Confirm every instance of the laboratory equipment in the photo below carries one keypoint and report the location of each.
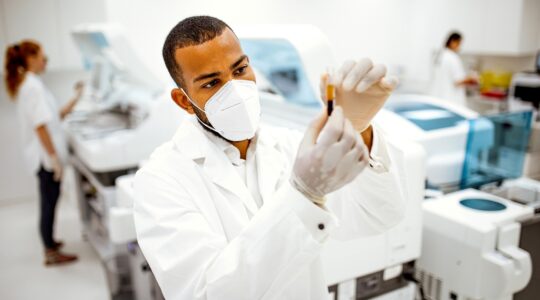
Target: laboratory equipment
(124, 114)
(124, 103)
(480, 244)
(471, 247)
(440, 127)
(538, 62)
(525, 90)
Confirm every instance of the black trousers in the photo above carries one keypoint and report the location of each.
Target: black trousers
(49, 191)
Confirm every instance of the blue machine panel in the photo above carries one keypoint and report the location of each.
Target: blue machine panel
(496, 147)
(426, 116)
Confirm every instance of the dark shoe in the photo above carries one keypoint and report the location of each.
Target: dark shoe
(58, 245)
(55, 257)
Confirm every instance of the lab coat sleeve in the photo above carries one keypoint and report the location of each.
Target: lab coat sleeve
(192, 259)
(374, 201)
(455, 68)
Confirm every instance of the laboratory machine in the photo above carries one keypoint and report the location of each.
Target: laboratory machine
(478, 239)
(481, 242)
(525, 92)
(124, 114)
(288, 61)
(440, 127)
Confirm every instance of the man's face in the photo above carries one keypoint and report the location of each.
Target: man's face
(207, 67)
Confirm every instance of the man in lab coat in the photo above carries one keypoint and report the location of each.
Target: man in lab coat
(228, 210)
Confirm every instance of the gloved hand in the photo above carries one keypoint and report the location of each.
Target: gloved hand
(330, 155)
(57, 168)
(361, 89)
(79, 89)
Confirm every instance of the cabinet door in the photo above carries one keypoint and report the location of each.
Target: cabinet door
(501, 23)
(530, 27)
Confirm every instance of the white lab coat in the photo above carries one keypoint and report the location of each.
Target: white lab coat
(448, 69)
(192, 221)
(36, 106)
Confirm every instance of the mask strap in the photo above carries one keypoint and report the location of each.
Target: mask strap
(190, 101)
(200, 121)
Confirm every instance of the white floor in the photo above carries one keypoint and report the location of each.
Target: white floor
(22, 273)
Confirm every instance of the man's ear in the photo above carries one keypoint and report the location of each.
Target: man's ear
(181, 100)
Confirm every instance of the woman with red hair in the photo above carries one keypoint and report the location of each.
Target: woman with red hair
(45, 148)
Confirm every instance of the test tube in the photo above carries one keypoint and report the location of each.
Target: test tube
(330, 94)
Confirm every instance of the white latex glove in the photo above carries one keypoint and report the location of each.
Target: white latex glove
(361, 89)
(57, 168)
(330, 155)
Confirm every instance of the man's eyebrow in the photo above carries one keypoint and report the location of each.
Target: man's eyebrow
(215, 74)
(205, 76)
(239, 61)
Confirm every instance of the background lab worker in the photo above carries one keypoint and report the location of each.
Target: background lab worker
(231, 210)
(44, 145)
(449, 77)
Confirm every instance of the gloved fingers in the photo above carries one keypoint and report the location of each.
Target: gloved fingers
(331, 158)
(333, 129)
(57, 175)
(313, 130)
(335, 152)
(360, 69)
(389, 82)
(356, 168)
(348, 167)
(339, 76)
(360, 160)
(373, 76)
(348, 138)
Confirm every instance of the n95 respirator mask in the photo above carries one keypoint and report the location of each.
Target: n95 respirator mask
(234, 111)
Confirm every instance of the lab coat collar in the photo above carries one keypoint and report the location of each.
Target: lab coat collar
(191, 140)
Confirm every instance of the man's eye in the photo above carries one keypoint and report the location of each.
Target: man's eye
(210, 84)
(240, 70)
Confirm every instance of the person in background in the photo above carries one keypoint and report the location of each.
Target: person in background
(45, 148)
(449, 78)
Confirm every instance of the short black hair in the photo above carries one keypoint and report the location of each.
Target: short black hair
(453, 36)
(189, 32)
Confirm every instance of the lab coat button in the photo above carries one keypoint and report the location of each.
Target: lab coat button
(321, 226)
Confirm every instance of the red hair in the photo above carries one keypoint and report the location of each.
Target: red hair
(16, 64)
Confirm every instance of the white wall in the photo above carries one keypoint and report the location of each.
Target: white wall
(378, 29)
(49, 22)
(402, 34)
